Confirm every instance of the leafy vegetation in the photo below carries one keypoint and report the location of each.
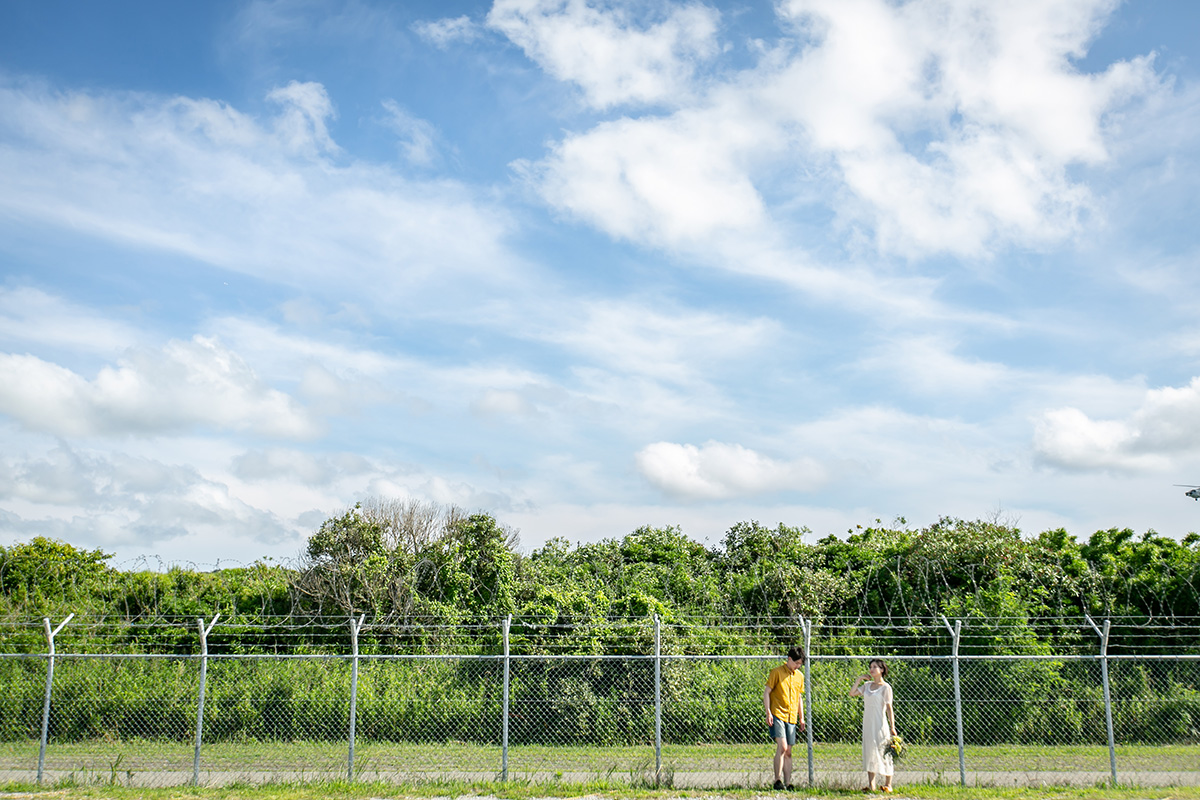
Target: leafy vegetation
(434, 580)
(408, 564)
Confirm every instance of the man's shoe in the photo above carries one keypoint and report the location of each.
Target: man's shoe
(778, 786)
(791, 787)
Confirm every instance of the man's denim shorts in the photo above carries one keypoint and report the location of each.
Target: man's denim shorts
(784, 730)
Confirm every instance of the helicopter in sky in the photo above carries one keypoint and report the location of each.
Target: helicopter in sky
(1192, 491)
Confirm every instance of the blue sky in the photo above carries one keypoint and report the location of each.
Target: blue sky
(594, 265)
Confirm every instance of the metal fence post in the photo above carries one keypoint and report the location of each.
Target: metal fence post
(956, 634)
(49, 684)
(504, 709)
(808, 715)
(1112, 749)
(204, 632)
(657, 700)
(355, 627)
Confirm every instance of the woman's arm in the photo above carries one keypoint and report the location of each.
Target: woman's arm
(856, 689)
(891, 716)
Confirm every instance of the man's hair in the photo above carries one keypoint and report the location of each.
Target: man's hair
(880, 662)
(796, 654)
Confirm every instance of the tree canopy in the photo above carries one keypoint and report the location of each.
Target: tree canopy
(411, 564)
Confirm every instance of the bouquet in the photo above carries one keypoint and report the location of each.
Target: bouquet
(896, 748)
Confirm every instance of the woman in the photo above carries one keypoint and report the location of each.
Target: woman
(879, 723)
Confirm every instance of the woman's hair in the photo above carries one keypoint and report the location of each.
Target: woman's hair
(881, 663)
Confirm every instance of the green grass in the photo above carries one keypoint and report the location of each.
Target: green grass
(932, 757)
(138, 761)
(515, 790)
(143, 754)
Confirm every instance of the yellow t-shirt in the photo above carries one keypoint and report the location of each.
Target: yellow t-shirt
(786, 687)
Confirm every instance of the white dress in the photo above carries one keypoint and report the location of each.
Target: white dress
(876, 733)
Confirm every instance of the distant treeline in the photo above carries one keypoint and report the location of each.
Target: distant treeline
(405, 564)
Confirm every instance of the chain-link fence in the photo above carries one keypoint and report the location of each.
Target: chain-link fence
(654, 717)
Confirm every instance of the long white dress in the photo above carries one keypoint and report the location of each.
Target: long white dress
(876, 733)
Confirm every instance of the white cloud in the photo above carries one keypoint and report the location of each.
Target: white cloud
(441, 33)
(612, 361)
(1066, 437)
(30, 315)
(186, 384)
(1164, 427)
(95, 498)
(716, 470)
(301, 126)
(270, 197)
(340, 378)
(935, 126)
(628, 364)
(669, 345)
(877, 449)
(333, 394)
(954, 123)
(684, 183)
(445, 491)
(217, 500)
(614, 58)
(671, 182)
(277, 464)
(502, 403)
(929, 365)
(61, 478)
(418, 138)
(289, 352)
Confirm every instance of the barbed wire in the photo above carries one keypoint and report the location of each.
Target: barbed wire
(866, 636)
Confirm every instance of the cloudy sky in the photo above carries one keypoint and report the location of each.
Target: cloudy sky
(591, 265)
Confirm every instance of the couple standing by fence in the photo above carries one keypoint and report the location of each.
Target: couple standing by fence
(785, 715)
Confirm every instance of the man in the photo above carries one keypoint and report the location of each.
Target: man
(785, 712)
